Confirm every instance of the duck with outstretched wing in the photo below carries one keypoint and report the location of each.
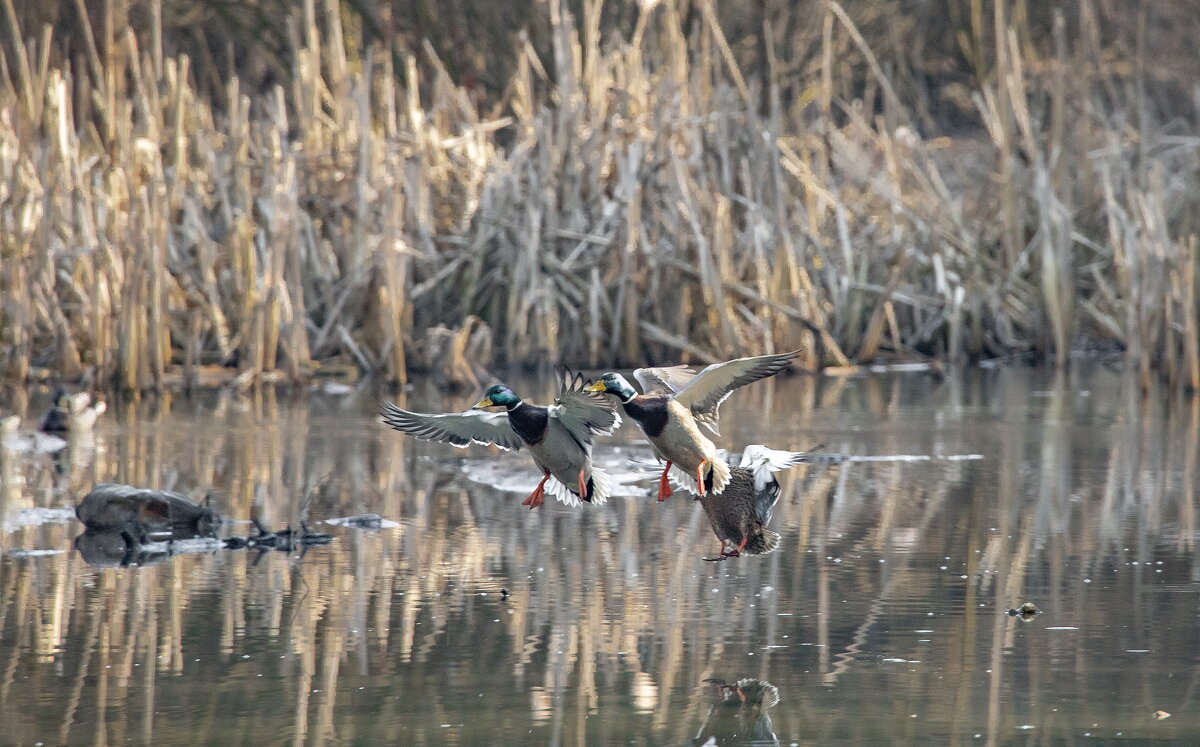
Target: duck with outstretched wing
(676, 402)
(558, 436)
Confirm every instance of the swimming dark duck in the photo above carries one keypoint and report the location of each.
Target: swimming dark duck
(57, 416)
(558, 436)
(676, 402)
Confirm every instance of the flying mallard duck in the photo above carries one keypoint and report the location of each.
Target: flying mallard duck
(559, 436)
(741, 512)
(676, 402)
(71, 413)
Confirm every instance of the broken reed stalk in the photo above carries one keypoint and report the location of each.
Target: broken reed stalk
(650, 200)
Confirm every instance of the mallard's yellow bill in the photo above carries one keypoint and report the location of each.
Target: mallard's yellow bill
(599, 387)
(485, 402)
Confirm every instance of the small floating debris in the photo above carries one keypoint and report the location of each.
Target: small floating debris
(1026, 611)
(1160, 715)
(364, 521)
(286, 539)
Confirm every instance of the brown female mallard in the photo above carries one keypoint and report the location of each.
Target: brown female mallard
(740, 513)
(676, 402)
(558, 436)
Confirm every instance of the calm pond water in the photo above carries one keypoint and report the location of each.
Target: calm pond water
(880, 619)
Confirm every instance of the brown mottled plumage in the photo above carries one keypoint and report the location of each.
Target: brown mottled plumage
(739, 515)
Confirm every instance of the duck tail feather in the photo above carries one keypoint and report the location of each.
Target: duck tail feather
(763, 542)
(562, 493)
(599, 486)
(720, 475)
(599, 490)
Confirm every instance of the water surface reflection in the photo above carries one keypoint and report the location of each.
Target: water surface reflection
(881, 617)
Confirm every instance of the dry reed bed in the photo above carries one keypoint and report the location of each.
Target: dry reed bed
(646, 201)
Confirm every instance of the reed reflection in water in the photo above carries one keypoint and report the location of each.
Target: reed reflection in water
(475, 621)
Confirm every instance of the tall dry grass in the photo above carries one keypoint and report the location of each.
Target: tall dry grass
(635, 195)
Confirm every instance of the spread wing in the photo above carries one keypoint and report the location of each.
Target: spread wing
(665, 380)
(584, 414)
(762, 461)
(456, 428)
(711, 386)
(765, 499)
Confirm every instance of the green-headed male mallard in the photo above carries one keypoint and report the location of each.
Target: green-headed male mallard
(676, 402)
(71, 413)
(559, 436)
(740, 513)
(57, 417)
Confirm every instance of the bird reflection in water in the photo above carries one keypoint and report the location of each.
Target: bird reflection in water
(739, 716)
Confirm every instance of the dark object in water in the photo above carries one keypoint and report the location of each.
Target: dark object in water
(121, 548)
(366, 521)
(739, 716)
(144, 513)
(285, 539)
(101, 548)
(1026, 612)
(135, 526)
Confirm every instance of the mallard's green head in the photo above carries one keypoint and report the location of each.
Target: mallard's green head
(498, 395)
(614, 383)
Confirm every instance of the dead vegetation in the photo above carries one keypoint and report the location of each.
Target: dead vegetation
(631, 195)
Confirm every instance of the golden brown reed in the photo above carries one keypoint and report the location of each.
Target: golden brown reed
(630, 198)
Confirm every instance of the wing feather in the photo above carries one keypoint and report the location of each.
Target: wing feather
(584, 414)
(763, 462)
(704, 395)
(664, 380)
(459, 429)
(765, 499)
